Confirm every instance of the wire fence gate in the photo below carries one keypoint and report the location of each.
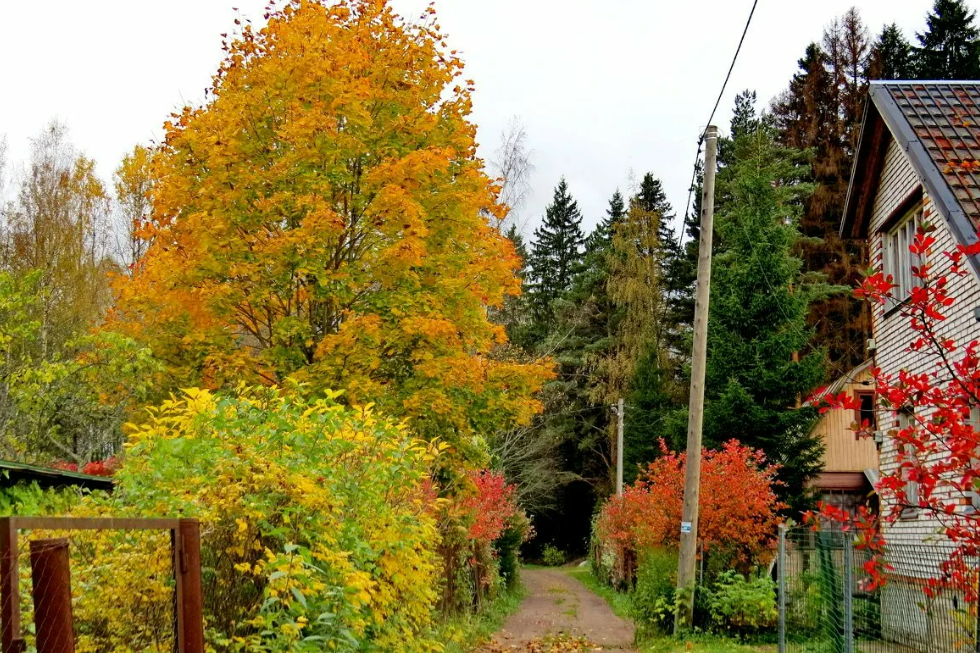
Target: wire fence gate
(79, 585)
(827, 603)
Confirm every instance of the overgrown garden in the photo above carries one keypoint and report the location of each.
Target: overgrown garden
(310, 318)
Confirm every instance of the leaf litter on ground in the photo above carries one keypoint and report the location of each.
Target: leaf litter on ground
(561, 643)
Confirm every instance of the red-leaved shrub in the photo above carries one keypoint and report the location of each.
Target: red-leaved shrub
(737, 513)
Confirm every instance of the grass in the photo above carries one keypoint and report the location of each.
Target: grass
(621, 605)
(465, 632)
(701, 644)
(619, 602)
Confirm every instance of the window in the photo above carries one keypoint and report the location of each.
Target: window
(898, 260)
(865, 411)
(906, 417)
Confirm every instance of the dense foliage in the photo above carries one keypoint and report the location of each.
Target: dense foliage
(324, 219)
(737, 511)
(760, 355)
(316, 520)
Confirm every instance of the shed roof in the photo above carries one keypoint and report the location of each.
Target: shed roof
(937, 125)
(12, 473)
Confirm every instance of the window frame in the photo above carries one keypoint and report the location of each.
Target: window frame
(859, 394)
(897, 260)
(905, 417)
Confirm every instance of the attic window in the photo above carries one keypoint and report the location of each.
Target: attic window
(898, 260)
(864, 414)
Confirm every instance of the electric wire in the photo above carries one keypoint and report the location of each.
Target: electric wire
(697, 157)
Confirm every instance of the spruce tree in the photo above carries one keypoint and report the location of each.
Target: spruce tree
(891, 56)
(576, 416)
(682, 271)
(815, 114)
(601, 236)
(515, 314)
(652, 199)
(761, 359)
(556, 253)
(950, 46)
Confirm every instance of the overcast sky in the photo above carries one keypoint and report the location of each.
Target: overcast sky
(603, 88)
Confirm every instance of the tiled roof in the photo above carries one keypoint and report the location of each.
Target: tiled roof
(937, 125)
(945, 116)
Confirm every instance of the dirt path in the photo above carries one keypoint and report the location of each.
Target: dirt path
(558, 604)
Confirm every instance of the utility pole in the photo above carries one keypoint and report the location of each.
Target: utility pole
(686, 565)
(619, 447)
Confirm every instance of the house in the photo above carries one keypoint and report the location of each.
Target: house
(850, 462)
(915, 162)
(907, 169)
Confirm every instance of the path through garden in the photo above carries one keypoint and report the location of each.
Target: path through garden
(561, 614)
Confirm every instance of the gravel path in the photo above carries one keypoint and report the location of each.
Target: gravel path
(558, 604)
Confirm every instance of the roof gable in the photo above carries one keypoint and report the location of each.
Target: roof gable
(937, 125)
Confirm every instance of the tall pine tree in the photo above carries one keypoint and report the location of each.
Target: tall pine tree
(891, 56)
(652, 199)
(760, 355)
(820, 112)
(556, 253)
(950, 46)
(601, 236)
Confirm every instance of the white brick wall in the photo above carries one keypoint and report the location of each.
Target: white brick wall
(891, 330)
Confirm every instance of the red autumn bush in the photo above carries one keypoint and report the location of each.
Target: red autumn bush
(105, 467)
(492, 508)
(936, 469)
(737, 514)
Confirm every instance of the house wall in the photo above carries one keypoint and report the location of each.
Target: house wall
(845, 451)
(891, 330)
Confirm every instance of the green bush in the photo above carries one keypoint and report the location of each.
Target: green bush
(552, 556)
(740, 604)
(654, 594)
(315, 529)
(508, 547)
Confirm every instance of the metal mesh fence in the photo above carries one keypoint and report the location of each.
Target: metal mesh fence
(92, 585)
(828, 604)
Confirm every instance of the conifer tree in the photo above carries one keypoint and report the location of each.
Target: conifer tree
(634, 287)
(652, 199)
(682, 270)
(601, 236)
(760, 356)
(515, 314)
(950, 46)
(556, 253)
(847, 44)
(817, 113)
(891, 55)
(576, 417)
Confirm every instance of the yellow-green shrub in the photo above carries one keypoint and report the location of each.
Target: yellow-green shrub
(316, 533)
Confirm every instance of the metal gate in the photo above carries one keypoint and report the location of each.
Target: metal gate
(828, 605)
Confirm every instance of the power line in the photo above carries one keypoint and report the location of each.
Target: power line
(697, 157)
(730, 69)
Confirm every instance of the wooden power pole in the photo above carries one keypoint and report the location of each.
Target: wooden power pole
(619, 447)
(686, 565)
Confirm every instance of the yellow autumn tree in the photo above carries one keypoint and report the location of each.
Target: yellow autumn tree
(133, 182)
(323, 219)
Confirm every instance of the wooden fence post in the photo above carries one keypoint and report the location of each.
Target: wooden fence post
(51, 590)
(190, 599)
(9, 589)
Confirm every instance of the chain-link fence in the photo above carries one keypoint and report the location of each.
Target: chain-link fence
(827, 603)
(91, 585)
